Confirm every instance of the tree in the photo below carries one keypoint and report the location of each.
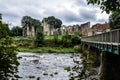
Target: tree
(114, 21)
(53, 21)
(107, 5)
(30, 22)
(4, 30)
(16, 31)
(8, 59)
(39, 38)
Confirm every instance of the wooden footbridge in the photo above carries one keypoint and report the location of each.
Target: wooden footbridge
(108, 41)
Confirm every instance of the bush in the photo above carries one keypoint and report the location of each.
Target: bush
(39, 40)
(75, 40)
(8, 59)
(66, 40)
(77, 48)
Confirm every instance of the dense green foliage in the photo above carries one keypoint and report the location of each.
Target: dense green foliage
(16, 31)
(107, 5)
(39, 40)
(56, 39)
(53, 21)
(8, 59)
(114, 20)
(4, 30)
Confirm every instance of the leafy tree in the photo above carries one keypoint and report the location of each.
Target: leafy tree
(107, 5)
(26, 21)
(30, 22)
(8, 59)
(7, 29)
(53, 21)
(114, 20)
(56, 38)
(4, 30)
(16, 31)
(39, 37)
(36, 23)
(66, 40)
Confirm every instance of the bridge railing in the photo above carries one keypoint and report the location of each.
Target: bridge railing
(111, 37)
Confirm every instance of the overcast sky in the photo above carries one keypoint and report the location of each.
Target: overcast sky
(69, 11)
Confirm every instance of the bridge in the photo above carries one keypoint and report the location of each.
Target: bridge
(108, 44)
(108, 41)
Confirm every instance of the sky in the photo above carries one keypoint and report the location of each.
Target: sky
(69, 11)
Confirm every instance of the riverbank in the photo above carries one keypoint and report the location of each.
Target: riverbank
(46, 49)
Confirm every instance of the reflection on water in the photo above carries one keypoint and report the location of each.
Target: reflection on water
(45, 66)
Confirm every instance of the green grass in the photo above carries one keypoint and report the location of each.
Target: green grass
(23, 38)
(24, 45)
(46, 50)
(52, 37)
(31, 38)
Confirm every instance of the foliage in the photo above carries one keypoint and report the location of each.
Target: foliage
(83, 68)
(114, 20)
(39, 37)
(77, 48)
(56, 38)
(53, 21)
(16, 31)
(75, 40)
(107, 5)
(66, 40)
(112, 6)
(8, 59)
(28, 21)
(52, 37)
(4, 30)
(46, 49)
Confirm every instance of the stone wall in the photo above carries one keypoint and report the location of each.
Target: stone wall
(83, 29)
(27, 31)
(48, 29)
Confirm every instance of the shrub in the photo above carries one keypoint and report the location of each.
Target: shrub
(77, 48)
(8, 59)
(75, 40)
(66, 40)
(39, 40)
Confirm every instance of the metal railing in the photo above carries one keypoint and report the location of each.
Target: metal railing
(111, 37)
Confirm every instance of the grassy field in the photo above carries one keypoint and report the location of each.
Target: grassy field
(26, 44)
(31, 38)
(46, 50)
(52, 37)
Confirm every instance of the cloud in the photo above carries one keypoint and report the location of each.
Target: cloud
(69, 11)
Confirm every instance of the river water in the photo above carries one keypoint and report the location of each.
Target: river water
(47, 66)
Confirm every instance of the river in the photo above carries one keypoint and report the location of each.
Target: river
(46, 66)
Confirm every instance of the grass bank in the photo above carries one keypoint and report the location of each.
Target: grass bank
(46, 49)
